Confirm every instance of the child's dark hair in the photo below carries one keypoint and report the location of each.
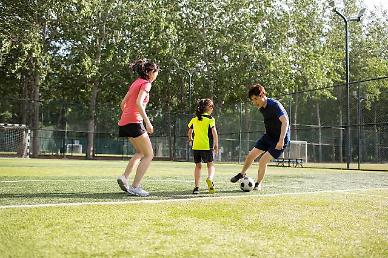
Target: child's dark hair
(201, 107)
(256, 90)
(143, 66)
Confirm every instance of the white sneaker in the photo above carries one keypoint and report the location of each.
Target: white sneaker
(123, 183)
(258, 187)
(138, 191)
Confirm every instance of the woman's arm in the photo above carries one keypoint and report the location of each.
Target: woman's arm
(140, 106)
(124, 101)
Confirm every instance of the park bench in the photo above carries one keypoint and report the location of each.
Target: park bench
(283, 162)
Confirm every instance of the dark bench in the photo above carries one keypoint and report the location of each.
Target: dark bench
(283, 162)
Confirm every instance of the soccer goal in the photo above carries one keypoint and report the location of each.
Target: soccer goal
(297, 150)
(14, 140)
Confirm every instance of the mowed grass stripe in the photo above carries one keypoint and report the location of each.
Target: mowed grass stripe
(350, 191)
(311, 225)
(86, 180)
(300, 213)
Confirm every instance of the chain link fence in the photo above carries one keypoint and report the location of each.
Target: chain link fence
(320, 121)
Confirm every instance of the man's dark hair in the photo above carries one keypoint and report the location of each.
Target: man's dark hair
(256, 90)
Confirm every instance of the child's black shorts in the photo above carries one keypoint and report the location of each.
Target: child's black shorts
(204, 155)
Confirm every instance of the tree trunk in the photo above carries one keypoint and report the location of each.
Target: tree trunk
(90, 152)
(377, 140)
(24, 104)
(248, 123)
(170, 137)
(333, 158)
(341, 137)
(35, 116)
(319, 133)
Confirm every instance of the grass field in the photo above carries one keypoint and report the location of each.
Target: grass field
(57, 208)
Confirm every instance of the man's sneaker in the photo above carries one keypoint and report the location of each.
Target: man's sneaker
(258, 187)
(236, 178)
(210, 186)
(196, 190)
(123, 183)
(138, 191)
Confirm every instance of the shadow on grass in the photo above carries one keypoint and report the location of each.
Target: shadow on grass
(114, 196)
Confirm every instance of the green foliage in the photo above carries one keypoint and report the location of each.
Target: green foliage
(81, 51)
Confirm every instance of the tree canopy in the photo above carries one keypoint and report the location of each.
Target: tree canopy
(74, 56)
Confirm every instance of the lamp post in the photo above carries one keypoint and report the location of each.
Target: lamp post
(190, 75)
(346, 22)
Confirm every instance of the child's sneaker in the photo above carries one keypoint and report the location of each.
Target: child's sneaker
(258, 187)
(196, 190)
(236, 178)
(138, 191)
(123, 183)
(210, 185)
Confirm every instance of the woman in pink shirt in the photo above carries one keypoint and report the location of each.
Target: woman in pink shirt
(131, 125)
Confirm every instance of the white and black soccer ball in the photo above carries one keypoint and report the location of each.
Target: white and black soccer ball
(247, 184)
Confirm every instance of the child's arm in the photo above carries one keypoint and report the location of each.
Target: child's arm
(190, 135)
(215, 138)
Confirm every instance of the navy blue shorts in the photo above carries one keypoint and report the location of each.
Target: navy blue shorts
(203, 155)
(266, 143)
(132, 130)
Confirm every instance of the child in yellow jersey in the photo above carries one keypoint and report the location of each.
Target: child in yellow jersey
(203, 137)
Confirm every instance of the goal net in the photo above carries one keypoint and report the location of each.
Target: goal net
(296, 150)
(14, 140)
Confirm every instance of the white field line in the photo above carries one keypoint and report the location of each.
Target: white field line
(114, 180)
(184, 200)
(371, 195)
(147, 180)
(85, 180)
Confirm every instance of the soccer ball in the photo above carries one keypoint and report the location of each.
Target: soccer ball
(247, 184)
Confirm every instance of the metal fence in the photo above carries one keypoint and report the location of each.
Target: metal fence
(319, 121)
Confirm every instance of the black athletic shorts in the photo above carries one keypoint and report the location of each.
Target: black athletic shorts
(204, 155)
(266, 143)
(132, 130)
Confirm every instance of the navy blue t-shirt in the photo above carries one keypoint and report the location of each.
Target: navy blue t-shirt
(273, 126)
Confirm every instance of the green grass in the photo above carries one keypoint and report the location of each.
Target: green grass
(300, 213)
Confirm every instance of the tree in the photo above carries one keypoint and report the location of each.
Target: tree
(27, 30)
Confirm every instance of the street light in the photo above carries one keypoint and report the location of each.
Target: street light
(346, 21)
(190, 75)
(198, 67)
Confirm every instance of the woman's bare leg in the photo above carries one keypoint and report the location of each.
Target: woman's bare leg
(143, 146)
(134, 161)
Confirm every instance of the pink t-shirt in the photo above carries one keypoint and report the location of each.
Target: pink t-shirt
(131, 113)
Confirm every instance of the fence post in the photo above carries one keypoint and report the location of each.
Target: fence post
(170, 147)
(359, 115)
(290, 112)
(240, 135)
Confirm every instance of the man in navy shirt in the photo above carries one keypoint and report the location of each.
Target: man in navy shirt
(275, 139)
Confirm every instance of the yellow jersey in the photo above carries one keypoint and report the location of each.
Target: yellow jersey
(203, 137)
